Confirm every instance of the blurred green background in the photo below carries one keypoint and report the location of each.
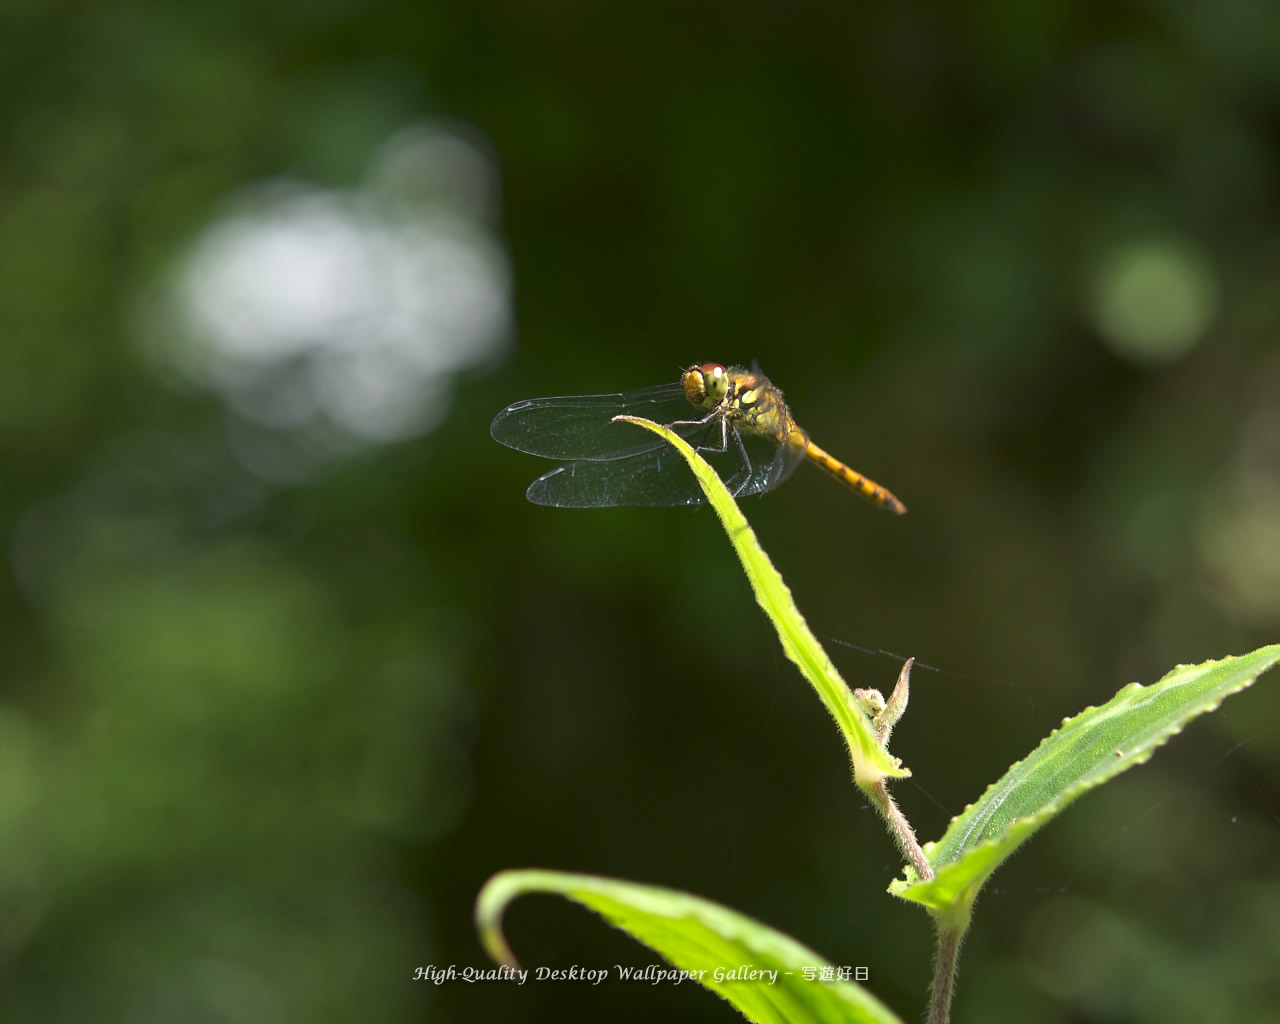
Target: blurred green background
(290, 667)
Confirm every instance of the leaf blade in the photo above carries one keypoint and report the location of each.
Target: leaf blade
(1084, 752)
(695, 935)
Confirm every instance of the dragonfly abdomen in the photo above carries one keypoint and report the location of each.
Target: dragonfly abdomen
(865, 486)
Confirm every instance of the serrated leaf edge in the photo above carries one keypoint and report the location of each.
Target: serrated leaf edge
(910, 888)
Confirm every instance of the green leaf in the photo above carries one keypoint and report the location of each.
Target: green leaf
(703, 938)
(1086, 751)
(871, 762)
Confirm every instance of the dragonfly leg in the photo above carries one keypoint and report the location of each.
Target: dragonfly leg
(714, 415)
(744, 463)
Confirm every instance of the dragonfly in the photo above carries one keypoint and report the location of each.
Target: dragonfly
(729, 414)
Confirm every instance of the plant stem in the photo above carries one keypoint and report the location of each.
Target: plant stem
(878, 792)
(951, 929)
(903, 833)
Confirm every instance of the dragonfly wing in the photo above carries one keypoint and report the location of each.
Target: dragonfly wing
(786, 458)
(657, 477)
(578, 427)
(769, 465)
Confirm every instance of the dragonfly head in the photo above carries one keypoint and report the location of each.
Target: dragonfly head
(705, 386)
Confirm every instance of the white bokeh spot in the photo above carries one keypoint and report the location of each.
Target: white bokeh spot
(342, 316)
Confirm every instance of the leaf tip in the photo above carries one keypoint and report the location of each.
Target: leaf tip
(490, 903)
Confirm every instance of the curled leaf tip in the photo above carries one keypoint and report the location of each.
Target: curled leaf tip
(490, 904)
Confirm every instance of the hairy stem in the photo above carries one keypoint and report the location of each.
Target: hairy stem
(951, 929)
(904, 835)
(885, 718)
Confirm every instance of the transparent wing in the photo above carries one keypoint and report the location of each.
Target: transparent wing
(658, 477)
(661, 477)
(787, 457)
(579, 427)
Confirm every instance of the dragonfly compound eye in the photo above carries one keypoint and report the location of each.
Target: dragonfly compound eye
(715, 381)
(693, 382)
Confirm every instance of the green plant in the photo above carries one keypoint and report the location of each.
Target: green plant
(702, 939)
